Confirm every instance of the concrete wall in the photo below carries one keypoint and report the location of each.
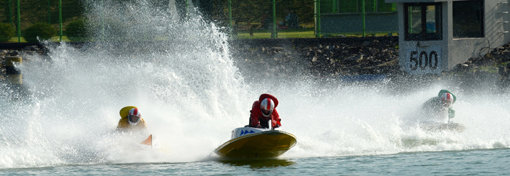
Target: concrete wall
(455, 50)
(461, 49)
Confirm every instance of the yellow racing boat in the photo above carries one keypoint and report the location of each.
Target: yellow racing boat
(253, 143)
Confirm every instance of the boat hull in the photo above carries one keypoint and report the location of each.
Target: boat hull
(443, 127)
(265, 144)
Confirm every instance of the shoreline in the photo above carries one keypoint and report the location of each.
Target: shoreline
(349, 58)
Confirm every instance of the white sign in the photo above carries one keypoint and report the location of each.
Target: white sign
(422, 60)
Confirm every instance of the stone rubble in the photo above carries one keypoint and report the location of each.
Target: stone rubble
(333, 57)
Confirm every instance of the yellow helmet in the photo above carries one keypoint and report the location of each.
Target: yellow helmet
(125, 111)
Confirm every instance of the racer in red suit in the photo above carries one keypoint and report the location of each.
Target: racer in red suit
(264, 110)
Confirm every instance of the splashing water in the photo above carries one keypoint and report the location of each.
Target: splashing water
(183, 85)
(187, 87)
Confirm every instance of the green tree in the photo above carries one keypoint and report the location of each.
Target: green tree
(43, 31)
(6, 31)
(76, 30)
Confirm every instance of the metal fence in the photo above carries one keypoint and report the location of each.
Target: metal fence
(313, 18)
(24, 13)
(244, 18)
(355, 16)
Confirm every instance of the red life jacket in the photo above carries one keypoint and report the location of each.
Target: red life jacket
(258, 120)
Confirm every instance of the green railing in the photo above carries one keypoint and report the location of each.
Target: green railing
(245, 19)
(24, 13)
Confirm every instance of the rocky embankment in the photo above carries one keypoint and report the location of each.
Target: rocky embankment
(3, 54)
(334, 57)
(26, 50)
(318, 57)
(493, 65)
(496, 60)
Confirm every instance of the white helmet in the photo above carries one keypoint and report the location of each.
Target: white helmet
(134, 116)
(447, 99)
(267, 107)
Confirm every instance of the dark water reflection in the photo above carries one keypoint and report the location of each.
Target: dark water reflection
(471, 162)
(258, 163)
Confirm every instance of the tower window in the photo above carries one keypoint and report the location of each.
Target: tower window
(422, 21)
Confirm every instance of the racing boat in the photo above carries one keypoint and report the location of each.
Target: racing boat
(253, 143)
(456, 127)
(147, 141)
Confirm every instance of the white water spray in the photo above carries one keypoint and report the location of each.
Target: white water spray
(182, 78)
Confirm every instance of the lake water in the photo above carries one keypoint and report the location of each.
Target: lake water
(192, 94)
(473, 162)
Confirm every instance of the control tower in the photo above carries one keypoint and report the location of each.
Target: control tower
(436, 35)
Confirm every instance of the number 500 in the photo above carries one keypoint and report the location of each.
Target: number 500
(423, 60)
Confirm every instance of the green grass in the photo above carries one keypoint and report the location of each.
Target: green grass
(297, 34)
(54, 39)
(292, 34)
(304, 34)
(256, 35)
(379, 34)
(15, 40)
